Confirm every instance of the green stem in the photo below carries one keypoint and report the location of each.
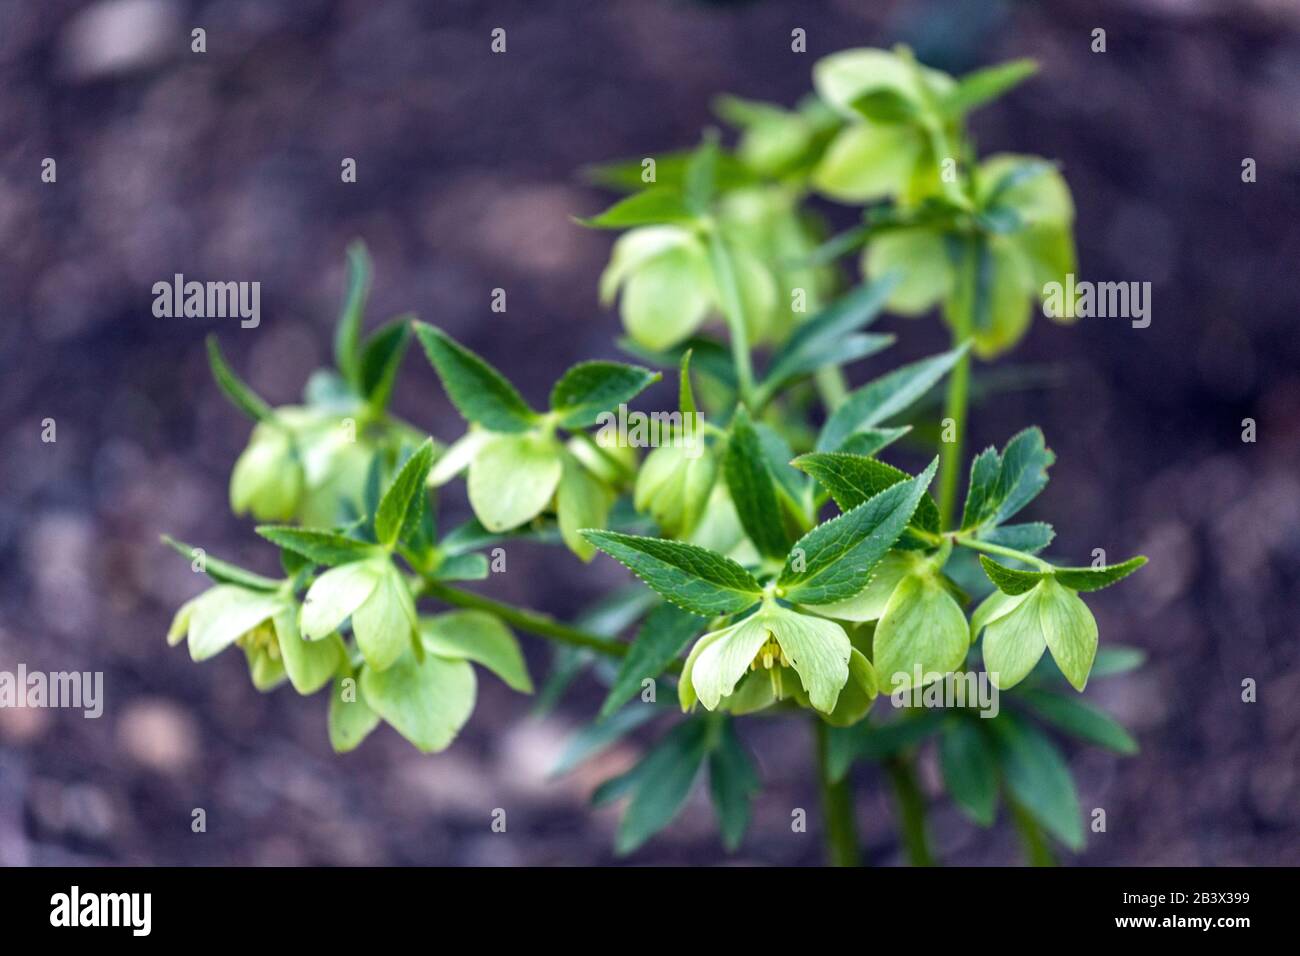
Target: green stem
(1038, 852)
(840, 829)
(534, 622)
(911, 811)
(724, 272)
(989, 548)
(950, 451)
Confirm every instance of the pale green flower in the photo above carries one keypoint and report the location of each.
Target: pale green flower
(375, 595)
(264, 624)
(1018, 628)
(801, 656)
(267, 479)
(674, 485)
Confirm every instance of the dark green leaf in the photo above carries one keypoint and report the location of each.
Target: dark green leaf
(653, 206)
(733, 782)
(1038, 777)
(701, 177)
(479, 392)
(1000, 485)
(1094, 579)
(1079, 719)
(1116, 659)
(240, 395)
(599, 736)
(685, 394)
(853, 479)
(223, 572)
(347, 334)
(817, 342)
(871, 441)
(752, 491)
(970, 771)
(1031, 537)
(380, 357)
(689, 576)
(663, 634)
(838, 555)
(590, 388)
(323, 547)
(982, 86)
(879, 742)
(885, 397)
(659, 784)
(1010, 580)
(708, 356)
(404, 497)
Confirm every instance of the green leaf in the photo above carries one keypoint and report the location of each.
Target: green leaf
(752, 491)
(733, 782)
(1030, 537)
(694, 578)
(879, 742)
(1079, 720)
(381, 355)
(871, 441)
(462, 567)
(479, 637)
(853, 479)
(820, 341)
(659, 784)
(240, 395)
(1094, 579)
(223, 572)
(323, 547)
(590, 388)
(1009, 580)
(970, 771)
(885, 397)
(982, 86)
(581, 501)
(600, 735)
(700, 181)
(401, 503)
(658, 204)
(348, 332)
(427, 703)
(708, 356)
(480, 393)
(685, 394)
(1001, 485)
(661, 637)
(837, 556)
(1038, 777)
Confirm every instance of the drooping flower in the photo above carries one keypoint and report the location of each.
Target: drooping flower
(265, 625)
(1018, 628)
(374, 594)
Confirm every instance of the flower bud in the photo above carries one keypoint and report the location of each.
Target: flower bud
(267, 479)
(674, 485)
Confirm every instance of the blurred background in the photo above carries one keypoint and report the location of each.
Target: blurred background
(226, 165)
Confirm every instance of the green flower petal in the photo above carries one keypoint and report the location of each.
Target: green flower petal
(667, 298)
(335, 596)
(858, 694)
(870, 603)
(922, 628)
(457, 456)
(267, 672)
(723, 661)
(1014, 642)
(384, 624)
(1070, 631)
(223, 614)
(817, 649)
(582, 501)
(267, 480)
(513, 479)
(920, 257)
(309, 664)
(427, 703)
(866, 161)
(480, 637)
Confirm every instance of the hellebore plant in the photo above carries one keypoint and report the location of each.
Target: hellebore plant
(785, 611)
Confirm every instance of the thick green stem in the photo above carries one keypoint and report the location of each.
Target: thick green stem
(1038, 852)
(534, 622)
(950, 451)
(911, 811)
(840, 828)
(724, 273)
